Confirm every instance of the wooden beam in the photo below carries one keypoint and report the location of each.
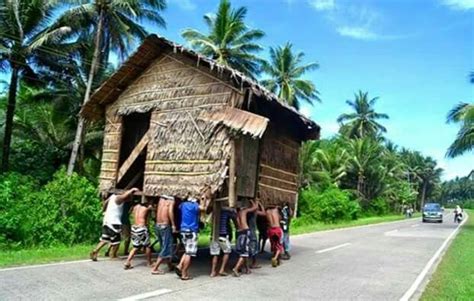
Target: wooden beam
(133, 156)
(232, 168)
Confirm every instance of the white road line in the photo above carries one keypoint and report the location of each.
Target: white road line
(44, 265)
(409, 293)
(147, 295)
(333, 248)
(415, 225)
(391, 232)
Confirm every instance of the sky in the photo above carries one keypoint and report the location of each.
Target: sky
(415, 55)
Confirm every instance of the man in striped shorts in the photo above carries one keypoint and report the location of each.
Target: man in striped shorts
(140, 235)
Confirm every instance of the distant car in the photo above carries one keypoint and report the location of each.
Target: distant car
(432, 212)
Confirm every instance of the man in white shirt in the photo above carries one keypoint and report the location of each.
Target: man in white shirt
(112, 223)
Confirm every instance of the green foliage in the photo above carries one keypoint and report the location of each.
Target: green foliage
(64, 211)
(229, 41)
(285, 69)
(378, 206)
(329, 206)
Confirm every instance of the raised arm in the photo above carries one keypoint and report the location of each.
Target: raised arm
(253, 207)
(125, 196)
(261, 210)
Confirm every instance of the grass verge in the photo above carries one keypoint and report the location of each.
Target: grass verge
(67, 253)
(454, 277)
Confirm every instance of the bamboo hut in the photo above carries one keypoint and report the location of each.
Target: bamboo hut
(176, 121)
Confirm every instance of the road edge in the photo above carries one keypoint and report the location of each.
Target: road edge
(416, 289)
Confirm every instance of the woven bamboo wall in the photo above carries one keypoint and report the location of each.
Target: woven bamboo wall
(185, 152)
(278, 168)
(110, 151)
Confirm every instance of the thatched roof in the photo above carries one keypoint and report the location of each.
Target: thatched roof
(152, 47)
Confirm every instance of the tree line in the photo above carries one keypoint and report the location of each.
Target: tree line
(56, 53)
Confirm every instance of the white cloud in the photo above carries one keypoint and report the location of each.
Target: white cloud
(359, 33)
(322, 5)
(184, 4)
(305, 111)
(459, 4)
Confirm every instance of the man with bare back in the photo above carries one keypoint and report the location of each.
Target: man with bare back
(112, 223)
(275, 234)
(164, 228)
(140, 235)
(243, 238)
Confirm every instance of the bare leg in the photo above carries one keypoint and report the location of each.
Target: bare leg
(107, 252)
(185, 266)
(225, 259)
(114, 250)
(126, 244)
(148, 255)
(159, 260)
(128, 264)
(237, 267)
(214, 266)
(94, 253)
(276, 259)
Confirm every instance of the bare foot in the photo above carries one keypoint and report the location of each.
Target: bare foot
(93, 256)
(223, 274)
(213, 274)
(157, 272)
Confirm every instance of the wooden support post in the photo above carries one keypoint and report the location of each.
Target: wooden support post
(216, 216)
(232, 178)
(133, 156)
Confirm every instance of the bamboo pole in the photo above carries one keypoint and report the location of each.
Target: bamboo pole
(232, 178)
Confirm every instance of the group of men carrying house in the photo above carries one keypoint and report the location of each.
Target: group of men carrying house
(177, 227)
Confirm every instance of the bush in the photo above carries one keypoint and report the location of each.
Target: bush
(378, 206)
(329, 206)
(64, 211)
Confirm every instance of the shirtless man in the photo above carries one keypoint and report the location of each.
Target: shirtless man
(243, 238)
(140, 235)
(164, 229)
(112, 223)
(275, 234)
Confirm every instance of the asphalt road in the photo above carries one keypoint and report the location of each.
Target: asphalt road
(379, 262)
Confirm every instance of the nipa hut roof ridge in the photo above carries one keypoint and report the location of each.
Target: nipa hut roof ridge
(147, 52)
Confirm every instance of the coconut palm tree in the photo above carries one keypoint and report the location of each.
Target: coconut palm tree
(463, 113)
(228, 41)
(24, 37)
(363, 122)
(285, 70)
(115, 24)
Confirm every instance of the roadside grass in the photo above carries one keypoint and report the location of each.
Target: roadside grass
(359, 222)
(67, 253)
(454, 277)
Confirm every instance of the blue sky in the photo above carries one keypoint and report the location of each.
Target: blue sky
(414, 54)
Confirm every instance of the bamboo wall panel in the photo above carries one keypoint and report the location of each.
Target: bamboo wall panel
(278, 168)
(247, 164)
(110, 151)
(185, 152)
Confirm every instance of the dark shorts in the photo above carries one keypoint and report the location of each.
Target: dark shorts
(165, 238)
(111, 234)
(243, 240)
(140, 236)
(253, 244)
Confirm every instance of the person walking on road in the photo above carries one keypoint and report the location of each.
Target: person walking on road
(112, 223)
(139, 233)
(275, 234)
(164, 229)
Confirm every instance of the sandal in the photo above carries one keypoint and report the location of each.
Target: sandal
(223, 274)
(186, 278)
(235, 273)
(157, 272)
(178, 271)
(274, 262)
(127, 266)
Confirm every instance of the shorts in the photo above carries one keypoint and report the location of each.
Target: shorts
(253, 244)
(242, 246)
(190, 242)
(275, 234)
(111, 234)
(140, 236)
(222, 244)
(165, 238)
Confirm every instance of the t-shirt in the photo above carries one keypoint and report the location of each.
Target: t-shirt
(224, 220)
(189, 216)
(285, 218)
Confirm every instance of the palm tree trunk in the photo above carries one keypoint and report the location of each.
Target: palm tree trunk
(423, 194)
(80, 127)
(7, 138)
